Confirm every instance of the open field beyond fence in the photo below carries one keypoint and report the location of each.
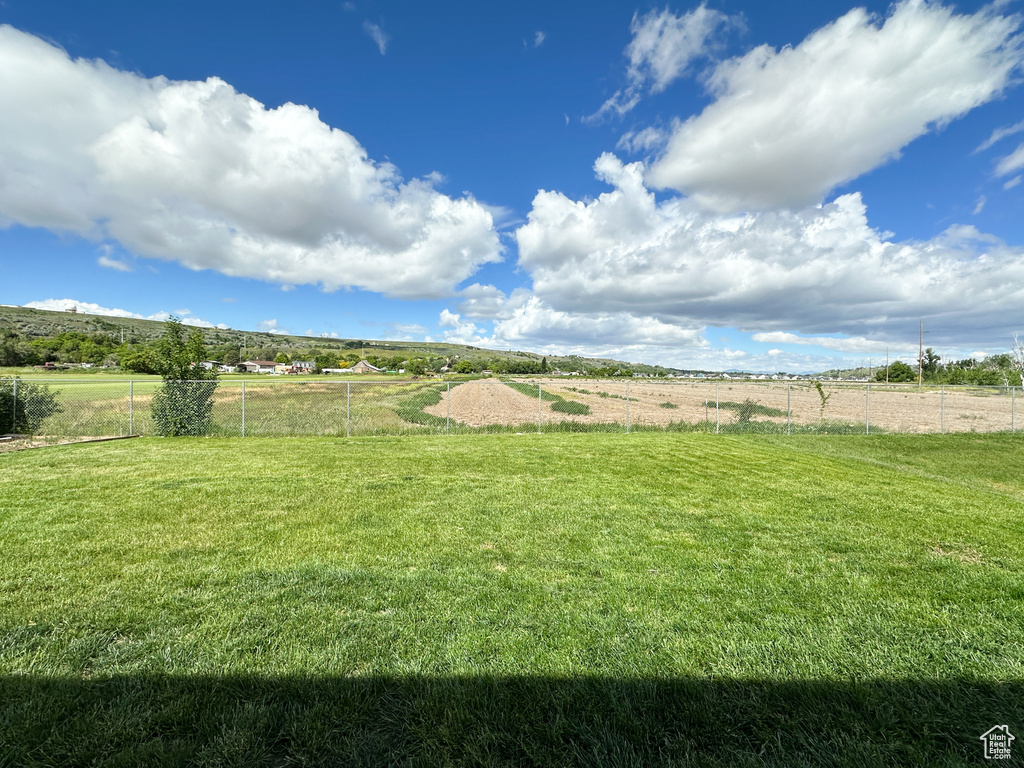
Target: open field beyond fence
(653, 599)
(276, 407)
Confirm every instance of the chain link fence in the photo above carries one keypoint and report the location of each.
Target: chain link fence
(275, 407)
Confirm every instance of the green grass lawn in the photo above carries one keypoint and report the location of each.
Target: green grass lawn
(653, 599)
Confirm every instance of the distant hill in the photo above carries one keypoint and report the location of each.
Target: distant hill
(37, 323)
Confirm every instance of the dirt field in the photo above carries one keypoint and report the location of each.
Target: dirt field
(657, 403)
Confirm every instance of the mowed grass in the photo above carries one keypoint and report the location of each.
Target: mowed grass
(512, 600)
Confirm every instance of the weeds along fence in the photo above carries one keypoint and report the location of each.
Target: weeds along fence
(276, 407)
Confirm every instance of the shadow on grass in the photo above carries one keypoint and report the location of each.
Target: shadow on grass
(257, 721)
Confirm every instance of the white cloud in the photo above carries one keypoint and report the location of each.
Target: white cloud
(857, 346)
(110, 263)
(89, 308)
(536, 323)
(999, 134)
(818, 270)
(538, 39)
(789, 125)
(643, 140)
(271, 326)
(462, 331)
(1011, 163)
(378, 35)
(662, 49)
(1012, 183)
(979, 206)
(197, 173)
(488, 302)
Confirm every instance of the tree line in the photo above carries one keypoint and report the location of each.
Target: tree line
(1004, 370)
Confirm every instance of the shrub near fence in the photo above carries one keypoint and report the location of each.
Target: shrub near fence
(277, 407)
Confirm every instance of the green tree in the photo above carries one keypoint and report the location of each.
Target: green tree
(24, 406)
(898, 372)
(184, 403)
(930, 363)
(138, 359)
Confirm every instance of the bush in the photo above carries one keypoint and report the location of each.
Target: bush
(183, 408)
(23, 413)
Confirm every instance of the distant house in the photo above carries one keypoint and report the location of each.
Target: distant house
(282, 367)
(257, 366)
(303, 366)
(363, 367)
(210, 364)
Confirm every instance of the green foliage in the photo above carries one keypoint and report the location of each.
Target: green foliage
(899, 372)
(183, 406)
(667, 405)
(750, 408)
(530, 390)
(139, 359)
(410, 408)
(572, 407)
(24, 412)
(930, 362)
(558, 403)
(824, 398)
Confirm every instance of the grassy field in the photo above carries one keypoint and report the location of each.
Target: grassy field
(658, 599)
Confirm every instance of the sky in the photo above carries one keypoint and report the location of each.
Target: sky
(788, 186)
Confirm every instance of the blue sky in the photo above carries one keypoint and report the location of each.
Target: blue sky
(766, 186)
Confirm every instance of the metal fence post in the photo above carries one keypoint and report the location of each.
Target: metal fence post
(789, 410)
(717, 418)
(627, 407)
(942, 410)
(867, 409)
(1012, 425)
(448, 411)
(243, 409)
(14, 410)
(538, 406)
(131, 407)
(348, 409)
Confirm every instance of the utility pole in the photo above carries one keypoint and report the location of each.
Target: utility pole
(920, 356)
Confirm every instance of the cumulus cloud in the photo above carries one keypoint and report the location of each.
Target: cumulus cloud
(378, 35)
(536, 323)
(198, 173)
(857, 345)
(787, 126)
(459, 331)
(271, 326)
(89, 308)
(662, 49)
(817, 270)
